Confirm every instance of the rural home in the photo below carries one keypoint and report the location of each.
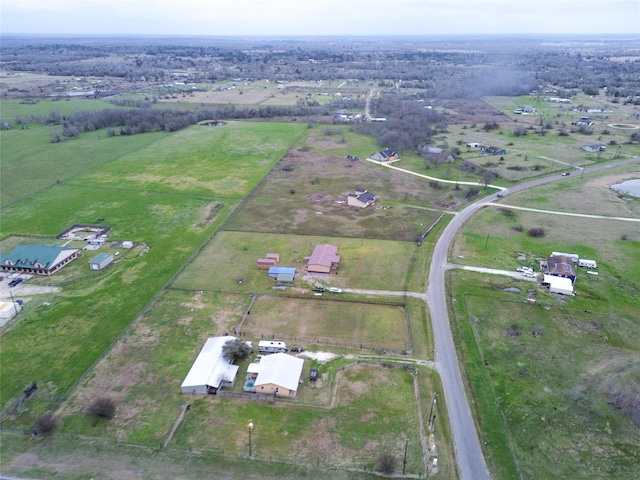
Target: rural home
(385, 155)
(210, 370)
(37, 259)
(526, 110)
(323, 259)
(100, 261)
(361, 198)
(594, 148)
(493, 150)
(278, 374)
(561, 266)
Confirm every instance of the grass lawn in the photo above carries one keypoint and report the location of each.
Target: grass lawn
(224, 161)
(328, 323)
(31, 164)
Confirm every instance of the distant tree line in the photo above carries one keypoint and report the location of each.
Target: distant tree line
(436, 68)
(132, 121)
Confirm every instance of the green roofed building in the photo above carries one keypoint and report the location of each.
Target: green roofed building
(37, 259)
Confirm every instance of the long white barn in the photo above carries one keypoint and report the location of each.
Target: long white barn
(210, 370)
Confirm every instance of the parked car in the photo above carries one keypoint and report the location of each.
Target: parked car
(566, 174)
(335, 290)
(297, 349)
(318, 288)
(15, 281)
(313, 375)
(524, 269)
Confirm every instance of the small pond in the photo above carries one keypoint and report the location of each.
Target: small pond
(628, 187)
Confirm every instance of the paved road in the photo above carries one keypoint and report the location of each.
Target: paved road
(471, 462)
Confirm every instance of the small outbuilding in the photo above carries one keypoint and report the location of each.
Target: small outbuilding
(270, 260)
(560, 285)
(8, 310)
(100, 261)
(273, 272)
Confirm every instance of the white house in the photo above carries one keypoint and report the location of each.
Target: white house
(277, 374)
(210, 370)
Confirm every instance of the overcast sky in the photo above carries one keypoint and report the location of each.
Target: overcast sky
(319, 17)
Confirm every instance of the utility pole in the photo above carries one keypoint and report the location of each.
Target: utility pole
(404, 463)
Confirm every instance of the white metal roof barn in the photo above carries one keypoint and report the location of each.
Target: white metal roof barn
(210, 369)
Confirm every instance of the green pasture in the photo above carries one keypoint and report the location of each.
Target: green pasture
(224, 161)
(57, 343)
(31, 164)
(547, 398)
(230, 256)
(11, 109)
(67, 456)
(314, 322)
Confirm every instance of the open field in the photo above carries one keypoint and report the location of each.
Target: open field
(31, 164)
(313, 322)
(231, 256)
(224, 161)
(307, 193)
(566, 395)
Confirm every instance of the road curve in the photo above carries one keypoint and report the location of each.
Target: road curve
(471, 462)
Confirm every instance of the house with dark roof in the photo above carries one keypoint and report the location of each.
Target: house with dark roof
(37, 259)
(493, 150)
(561, 266)
(594, 148)
(323, 259)
(386, 155)
(361, 198)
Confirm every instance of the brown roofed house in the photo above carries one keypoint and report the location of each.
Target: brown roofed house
(323, 259)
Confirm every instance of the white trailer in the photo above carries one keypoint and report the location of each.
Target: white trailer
(583, 262)
(575, 258)
(268, 346)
